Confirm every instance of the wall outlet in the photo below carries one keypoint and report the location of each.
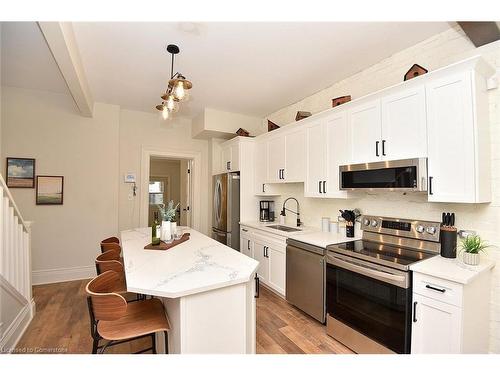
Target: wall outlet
(129, 178)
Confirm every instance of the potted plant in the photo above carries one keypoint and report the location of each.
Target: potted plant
(472, 246)
(167, 213)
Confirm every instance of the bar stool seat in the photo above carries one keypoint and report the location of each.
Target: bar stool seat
(142, 318)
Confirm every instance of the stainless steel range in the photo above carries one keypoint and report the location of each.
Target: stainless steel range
(368, 283)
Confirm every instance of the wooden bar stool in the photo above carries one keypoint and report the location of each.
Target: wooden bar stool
(110, 246)
(111, 261)
(115, 320)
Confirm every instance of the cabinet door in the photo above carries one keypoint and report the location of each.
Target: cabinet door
(315, 160)
(246, 245)
(275, 158)
(260, 167)
(294, 156)
(277, 268)
(337, 153)
(404, 125)
(436, 327)
(235, 157)
(450, 139)
(226, 158)
(364, 132)
(258, 255)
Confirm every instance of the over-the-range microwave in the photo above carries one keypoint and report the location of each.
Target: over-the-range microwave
(393, 175)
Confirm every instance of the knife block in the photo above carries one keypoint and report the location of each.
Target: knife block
(448, 239)
(349, 229)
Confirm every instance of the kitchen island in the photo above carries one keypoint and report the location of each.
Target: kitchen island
(206, 287)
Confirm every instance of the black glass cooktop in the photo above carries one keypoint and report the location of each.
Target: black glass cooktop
(392, 256)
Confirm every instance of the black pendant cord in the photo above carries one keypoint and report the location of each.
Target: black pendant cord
(172, 67)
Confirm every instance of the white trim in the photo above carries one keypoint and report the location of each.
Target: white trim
(62, 274)
(196, 182)
(9, 288)
(17, 328)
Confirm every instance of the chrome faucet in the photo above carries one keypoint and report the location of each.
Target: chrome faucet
(283, 213)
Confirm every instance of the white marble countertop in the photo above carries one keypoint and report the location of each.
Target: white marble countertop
(197, 265)
(310, 235)
(452, 269)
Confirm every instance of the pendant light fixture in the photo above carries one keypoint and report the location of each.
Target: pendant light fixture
(176, 89)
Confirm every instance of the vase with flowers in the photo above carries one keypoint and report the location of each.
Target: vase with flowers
(168, 225)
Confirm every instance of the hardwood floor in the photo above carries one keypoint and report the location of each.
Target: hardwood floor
(61, 325)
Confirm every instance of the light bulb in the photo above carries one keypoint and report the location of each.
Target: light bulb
(164, 113)
(179, 90)
(170, 102)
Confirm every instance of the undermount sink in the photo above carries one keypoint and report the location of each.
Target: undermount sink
(283, 228)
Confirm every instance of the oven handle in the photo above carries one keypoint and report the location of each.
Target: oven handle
(401, 281)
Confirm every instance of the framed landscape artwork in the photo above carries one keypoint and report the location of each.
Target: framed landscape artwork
(49, 189)
(20, 173)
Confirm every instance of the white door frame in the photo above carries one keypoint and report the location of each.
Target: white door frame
(195, 191)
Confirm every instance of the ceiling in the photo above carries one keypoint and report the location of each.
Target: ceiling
(249, 68)
(26, 59)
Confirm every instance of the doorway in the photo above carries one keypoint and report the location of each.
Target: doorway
(169, 181)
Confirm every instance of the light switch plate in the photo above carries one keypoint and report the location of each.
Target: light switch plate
(129, 178)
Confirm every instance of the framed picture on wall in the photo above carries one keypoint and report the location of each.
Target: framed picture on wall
(20, 173)
(49, 190)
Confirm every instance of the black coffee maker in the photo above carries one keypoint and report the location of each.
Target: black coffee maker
(266, 211)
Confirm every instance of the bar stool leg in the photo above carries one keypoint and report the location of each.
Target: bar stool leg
(166, 341)
(95, 344)
(153, 342)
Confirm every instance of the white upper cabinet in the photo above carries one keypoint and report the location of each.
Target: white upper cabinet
(315, 159)
(276, 158)
(404, 127)
(458, 139)
(295, 164)
(365, 132)
(260, 167)
(231, 157)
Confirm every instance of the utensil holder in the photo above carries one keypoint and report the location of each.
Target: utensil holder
(448, 239)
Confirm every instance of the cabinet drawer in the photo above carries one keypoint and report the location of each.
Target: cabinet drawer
(438, 289)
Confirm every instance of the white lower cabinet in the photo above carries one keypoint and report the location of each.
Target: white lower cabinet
(436, 327)
(270, 252)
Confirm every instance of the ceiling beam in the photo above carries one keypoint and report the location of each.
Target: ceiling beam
(62, 44)
(481, 33)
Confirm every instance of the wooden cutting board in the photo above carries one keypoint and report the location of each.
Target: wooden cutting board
(165, 246)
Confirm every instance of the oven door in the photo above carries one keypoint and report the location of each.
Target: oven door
(371, 299)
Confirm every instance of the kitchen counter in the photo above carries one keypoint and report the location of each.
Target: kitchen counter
(311, 235)
(206, 287)
(452, 269)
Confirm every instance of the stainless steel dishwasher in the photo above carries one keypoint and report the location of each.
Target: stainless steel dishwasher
(305, 278)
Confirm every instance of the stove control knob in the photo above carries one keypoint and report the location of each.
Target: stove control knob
(420, 229)
(374, 223)
(431, 230)
(366, 221)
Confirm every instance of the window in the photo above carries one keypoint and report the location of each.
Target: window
(156, 190)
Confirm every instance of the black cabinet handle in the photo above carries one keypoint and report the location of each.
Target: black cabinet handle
(436, 289)
(430, 185)
(324, 187)
(376, 148)
(383, 147)
(245, 230)
(248, 245)
(257, 286)
(227, 165)
(263, 188)
(283, 173)
(414, 312)
(319, 187)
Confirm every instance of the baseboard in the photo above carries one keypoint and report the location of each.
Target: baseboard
(17, 328)
(62, 274)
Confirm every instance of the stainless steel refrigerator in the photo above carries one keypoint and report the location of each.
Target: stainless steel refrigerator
(226, 209)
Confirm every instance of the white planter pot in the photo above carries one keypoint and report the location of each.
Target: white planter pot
(471, 259)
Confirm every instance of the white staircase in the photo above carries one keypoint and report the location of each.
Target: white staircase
(16, 303)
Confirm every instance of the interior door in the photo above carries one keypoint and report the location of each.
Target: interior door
(364, 132)
(404, 125)
(315, 160)
(337, 146)
(449, 137)
(275, 158)
(185, 204)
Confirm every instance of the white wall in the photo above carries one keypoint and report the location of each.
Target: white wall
(438, 51)
(46, 126)
(140, 130)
